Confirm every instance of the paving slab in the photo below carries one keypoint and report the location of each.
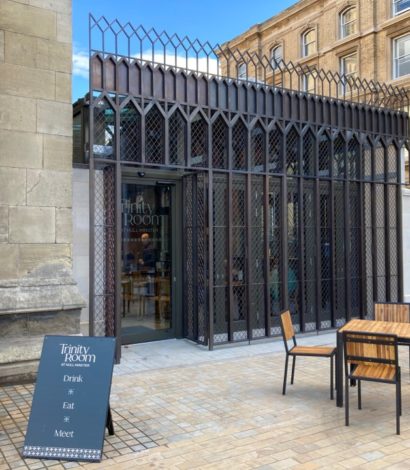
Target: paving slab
(177, 405)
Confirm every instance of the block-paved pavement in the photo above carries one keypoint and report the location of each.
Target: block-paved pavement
(177, 405)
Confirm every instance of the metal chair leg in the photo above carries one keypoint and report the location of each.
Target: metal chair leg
(398, 406)
(293, 370)
(400, 391)
(286, 373)
(359, 394)
(331, 377)
(347, 402)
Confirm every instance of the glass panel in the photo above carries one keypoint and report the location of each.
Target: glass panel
(309, 83)
(309, 43)
(400, 6)
(402, 56)
(348, 70)
(146, 260)
(277, 56)
(348, 22)
(242, 71)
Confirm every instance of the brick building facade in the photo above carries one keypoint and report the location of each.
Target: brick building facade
(365, 38)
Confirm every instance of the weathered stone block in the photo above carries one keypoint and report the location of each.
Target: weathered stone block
(4, 224)
(21, 149)
(62, 6)
(48, 188)
(17, 113)
(12, 186)
(38, 53)
(9, 261)
(64, 226)
(63, 87)
(26, 19)
(2, 53)
(13, 325)
(27, 81)
(56, 55)
(58, 152)
(64, 33)
(32, 257)
(32, 225)
(61, 121)
(54, 323)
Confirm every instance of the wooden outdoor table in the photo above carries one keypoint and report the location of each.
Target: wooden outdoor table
(402, 330)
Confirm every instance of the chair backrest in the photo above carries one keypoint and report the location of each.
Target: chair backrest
(370, 348)
(392, 312)
(287, 327)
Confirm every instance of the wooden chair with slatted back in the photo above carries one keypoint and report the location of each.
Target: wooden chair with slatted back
(375, 359)
(288, 334)
(394, 312)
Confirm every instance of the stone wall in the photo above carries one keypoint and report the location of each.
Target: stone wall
(37, 292)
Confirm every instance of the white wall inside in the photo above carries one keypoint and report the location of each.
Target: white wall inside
(81, 238)
(406, 244)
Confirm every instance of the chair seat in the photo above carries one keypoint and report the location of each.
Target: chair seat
(375, 371)
(313, 351)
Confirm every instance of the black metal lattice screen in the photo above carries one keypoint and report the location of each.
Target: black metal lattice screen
(195, 259)
(103, 288)
(278, 212)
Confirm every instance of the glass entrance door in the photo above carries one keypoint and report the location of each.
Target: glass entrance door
(147, 268)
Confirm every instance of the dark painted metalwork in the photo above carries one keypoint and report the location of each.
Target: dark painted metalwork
(273, 189)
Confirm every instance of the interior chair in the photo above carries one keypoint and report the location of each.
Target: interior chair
(375, 359)
(294, 350)
(394, 312)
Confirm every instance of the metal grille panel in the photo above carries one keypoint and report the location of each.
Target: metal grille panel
(292, 152)
(309, 153)
(293, 250)
(199, 142)
(104, 130)
(177, 138)
(239, 146)
(130, 133)
(275, 150)
(325, 251)
(339, 157)
(258, 148)
(220, 143)
(154, 136)
(104, 252)
(324, 155)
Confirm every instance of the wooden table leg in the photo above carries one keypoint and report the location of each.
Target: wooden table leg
(339, 370)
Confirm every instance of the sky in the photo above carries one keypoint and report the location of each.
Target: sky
(215, 21)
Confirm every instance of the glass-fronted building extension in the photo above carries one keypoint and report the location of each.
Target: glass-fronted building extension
(216, 203)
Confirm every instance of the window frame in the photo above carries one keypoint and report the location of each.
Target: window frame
(274, 62)
(242, 74)
(344, 24)
(395, 75)
(343, 74)
(305, 83)
(305, 45)
(394, 8)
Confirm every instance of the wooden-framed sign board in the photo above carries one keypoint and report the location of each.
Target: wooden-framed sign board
(70, 408)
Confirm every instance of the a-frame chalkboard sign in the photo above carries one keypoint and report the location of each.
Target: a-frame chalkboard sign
(70, 408)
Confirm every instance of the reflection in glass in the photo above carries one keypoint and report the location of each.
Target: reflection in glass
(146, 259)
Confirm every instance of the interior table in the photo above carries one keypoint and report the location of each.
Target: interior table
(402, 330)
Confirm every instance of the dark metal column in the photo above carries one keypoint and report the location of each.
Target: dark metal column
(210, 262)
